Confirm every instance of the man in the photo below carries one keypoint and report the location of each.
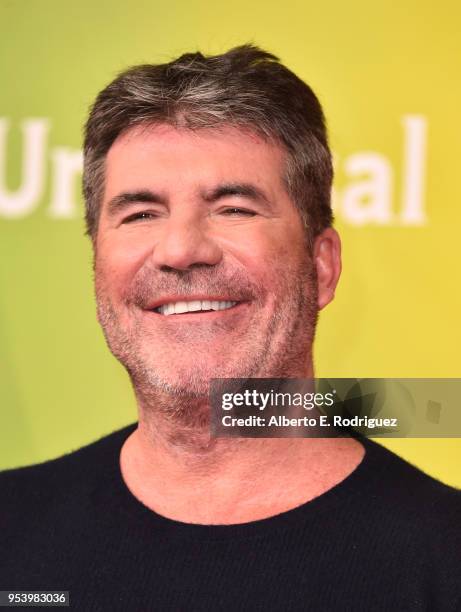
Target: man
(207, 185)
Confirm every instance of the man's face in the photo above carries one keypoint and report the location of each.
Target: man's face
(201, 264)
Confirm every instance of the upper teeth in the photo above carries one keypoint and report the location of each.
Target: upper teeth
(193, 306)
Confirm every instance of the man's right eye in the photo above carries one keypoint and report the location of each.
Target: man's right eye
(140, 216)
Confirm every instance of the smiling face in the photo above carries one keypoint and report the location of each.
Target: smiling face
(201, 264)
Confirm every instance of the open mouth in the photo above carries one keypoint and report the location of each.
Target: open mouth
(197, 306)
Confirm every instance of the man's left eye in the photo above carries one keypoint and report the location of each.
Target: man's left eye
(238, 211)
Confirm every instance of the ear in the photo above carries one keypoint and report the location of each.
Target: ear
(327, 259)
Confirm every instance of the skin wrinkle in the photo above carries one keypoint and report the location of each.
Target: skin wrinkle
(190, 398)
(295, 168)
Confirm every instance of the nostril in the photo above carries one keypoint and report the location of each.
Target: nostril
(185, 249)
(185, 270)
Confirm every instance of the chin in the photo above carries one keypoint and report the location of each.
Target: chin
(184, 380)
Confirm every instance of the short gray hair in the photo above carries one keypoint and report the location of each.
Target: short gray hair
(246, 88)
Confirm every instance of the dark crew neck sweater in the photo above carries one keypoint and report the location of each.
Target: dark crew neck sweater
(388, 537)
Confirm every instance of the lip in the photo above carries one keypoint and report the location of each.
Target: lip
(190, 298)
(195, 316)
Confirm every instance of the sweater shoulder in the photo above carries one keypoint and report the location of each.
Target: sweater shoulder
(408, 491)
(31, 488)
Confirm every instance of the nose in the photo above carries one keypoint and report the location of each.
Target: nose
(185, 243)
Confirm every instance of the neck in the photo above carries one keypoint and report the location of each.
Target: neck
(174, 467)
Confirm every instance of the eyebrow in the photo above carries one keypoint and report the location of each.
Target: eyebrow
(246, 190)
(124, 200)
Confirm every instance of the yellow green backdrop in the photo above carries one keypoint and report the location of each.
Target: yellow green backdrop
(388, 76)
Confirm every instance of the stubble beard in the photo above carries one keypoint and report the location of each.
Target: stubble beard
(278, 349)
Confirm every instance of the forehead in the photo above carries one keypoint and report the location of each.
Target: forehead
(179, 157)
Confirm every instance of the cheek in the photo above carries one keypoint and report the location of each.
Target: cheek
(268, 250)
(117, 262)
